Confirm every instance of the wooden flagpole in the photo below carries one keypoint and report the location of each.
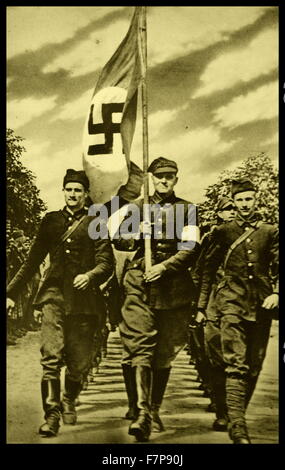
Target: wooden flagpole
(146, 212)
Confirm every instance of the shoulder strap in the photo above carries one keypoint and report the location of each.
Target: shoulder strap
(68, 232)
(71, 229)
(238, 241)
(62, 239)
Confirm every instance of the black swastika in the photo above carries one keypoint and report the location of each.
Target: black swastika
(107, 127)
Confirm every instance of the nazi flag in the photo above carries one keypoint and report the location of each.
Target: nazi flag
(104, 158)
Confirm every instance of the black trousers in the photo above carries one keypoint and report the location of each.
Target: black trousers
(150, 337)
(66, 340)
(244, 344)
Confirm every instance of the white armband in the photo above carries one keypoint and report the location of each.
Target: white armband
(190, 233)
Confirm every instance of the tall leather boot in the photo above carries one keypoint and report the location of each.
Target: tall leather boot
(71, 392)
(160, 380)
(219, 394)
(252, 381)
(130, 384)
(235, 396)
(50, 390)
(141, 427)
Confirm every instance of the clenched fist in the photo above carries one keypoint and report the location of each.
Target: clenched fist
(271, 301)
(155, 272)
(81, 281)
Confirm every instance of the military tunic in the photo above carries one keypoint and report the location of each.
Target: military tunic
(156, 315)
(70, 316)
(212, 326)
(248, 278)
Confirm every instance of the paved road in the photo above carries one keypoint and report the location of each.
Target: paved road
(104, 403)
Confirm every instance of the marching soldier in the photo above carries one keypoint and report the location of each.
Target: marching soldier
(214, 364)
(157, 303)
(70, 298)
(247, 249)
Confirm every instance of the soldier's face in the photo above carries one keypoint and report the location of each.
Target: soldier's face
(227, 214)
(74, 195)
(164, 182)
(245, 203)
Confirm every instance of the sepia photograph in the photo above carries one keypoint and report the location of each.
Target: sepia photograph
(142, 259)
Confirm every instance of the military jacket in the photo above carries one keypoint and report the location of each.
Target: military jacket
(251, 272)
(79, 254)
(197, 272)
(175, 288)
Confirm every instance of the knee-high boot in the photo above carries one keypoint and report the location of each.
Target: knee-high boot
(235, 396)
(50, 390)
(130, 384)
(218, 379)
(160, 380)
(71, 392)
(252, 381)
(141, 427)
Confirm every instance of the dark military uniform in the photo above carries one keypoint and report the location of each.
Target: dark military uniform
(245, 283)
(156, 314)
(70, 316)
(205, 344)
(213, 364)
(213, 347)
(247, 280)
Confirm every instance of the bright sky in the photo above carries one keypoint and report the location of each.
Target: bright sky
(212, 87)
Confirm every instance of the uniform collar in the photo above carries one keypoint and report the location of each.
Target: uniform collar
(68, 213)
(156, 198)
(250, 222)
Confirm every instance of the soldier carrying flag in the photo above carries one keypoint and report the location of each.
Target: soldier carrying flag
(156, 308)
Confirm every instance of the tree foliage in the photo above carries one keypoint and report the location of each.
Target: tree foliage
(24, 205)
(264, 176)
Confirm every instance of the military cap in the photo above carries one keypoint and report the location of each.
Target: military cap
(162, 165)
(74, 176)
(242, 185)
(224, 202)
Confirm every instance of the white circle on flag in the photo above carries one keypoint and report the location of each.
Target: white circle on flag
(107, 170)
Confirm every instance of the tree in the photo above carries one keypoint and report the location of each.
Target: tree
(264, 176)
(24, 205)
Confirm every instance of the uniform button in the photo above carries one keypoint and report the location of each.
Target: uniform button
(135, 265)
(249, 264)
(159, 244)
(249, 251)
(248, 240)
(250, 277)
(68, 240)
(246, 228)
(67, 251)
(69, 227)
(69, 218)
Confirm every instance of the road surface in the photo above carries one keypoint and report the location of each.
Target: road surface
(103, 405)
